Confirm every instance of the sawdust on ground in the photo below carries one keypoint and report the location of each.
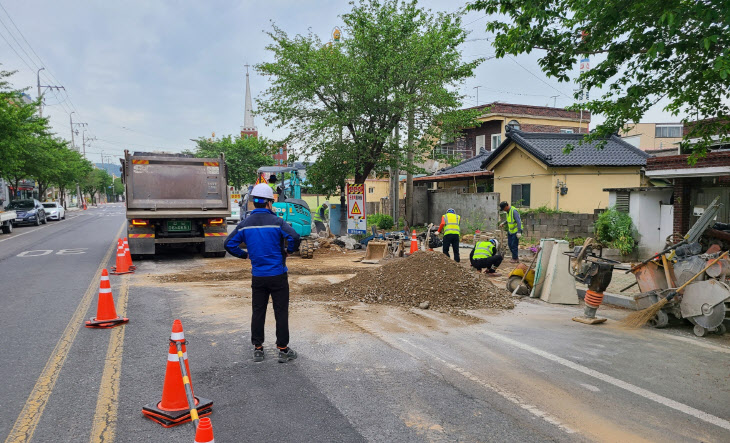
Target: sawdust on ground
(423, 277)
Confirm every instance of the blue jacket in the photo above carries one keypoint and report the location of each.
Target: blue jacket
(268, 239)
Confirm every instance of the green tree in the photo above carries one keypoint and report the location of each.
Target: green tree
(647, 50)
(341, 102)
(118, 186)
(244, 156)
(96, 182)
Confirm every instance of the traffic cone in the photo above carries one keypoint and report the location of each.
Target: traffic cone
(128, 255)
(414, 242)
(204, 434)
(122, 266)
(106, 314)
(173, 409)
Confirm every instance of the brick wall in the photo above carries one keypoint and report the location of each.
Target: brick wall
(558, 225)
(680, 161)
(682, 207)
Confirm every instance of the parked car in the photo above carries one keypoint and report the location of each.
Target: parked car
(54, 211)
(28, 212)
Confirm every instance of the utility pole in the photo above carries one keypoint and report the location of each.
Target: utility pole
(395, 174)
(477, 88)
(40, 97)
(409, 173)
(71, 120)
(85, 140)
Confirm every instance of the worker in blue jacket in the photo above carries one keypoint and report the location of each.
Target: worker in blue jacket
(269, 240)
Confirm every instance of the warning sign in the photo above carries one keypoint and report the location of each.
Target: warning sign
(356, 209)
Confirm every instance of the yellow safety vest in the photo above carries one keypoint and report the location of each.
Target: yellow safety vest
(512, 227)
(484, 249)
(317, 217)
(451, 225)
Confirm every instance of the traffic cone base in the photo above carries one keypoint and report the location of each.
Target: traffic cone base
(105, 324)
(169, 419)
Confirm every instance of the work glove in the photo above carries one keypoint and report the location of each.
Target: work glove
(501, 224)
(519, 235)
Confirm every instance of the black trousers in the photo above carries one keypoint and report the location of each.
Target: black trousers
(453, 241)
(490, 262)
(278, 288)
(320, 226)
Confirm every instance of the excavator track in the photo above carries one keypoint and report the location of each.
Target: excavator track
(306, 248)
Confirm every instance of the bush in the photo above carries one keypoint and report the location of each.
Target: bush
(615, 229)
(543, 210)
(382, 221)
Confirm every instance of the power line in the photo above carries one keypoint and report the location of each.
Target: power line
(537, 77)
(16, 52)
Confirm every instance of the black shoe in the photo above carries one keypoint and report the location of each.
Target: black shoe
(286, 355)
(258, 354)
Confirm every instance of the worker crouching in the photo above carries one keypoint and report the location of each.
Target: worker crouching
(485, 258)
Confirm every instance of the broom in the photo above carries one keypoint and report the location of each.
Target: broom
(640, 318)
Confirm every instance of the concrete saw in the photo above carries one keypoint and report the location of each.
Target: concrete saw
(706, 304)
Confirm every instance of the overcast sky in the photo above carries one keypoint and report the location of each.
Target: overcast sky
(151, 75)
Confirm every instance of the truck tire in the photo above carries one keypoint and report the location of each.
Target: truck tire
(7, 228)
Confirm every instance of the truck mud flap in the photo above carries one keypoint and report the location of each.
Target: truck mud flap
(215, 241)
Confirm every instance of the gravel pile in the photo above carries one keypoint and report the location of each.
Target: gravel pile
(425, 279)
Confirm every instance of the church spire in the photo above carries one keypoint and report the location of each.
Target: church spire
(249, 127)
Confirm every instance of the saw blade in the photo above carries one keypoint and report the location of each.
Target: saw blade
(711, 319)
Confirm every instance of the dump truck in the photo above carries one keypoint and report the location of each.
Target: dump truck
(175, 201)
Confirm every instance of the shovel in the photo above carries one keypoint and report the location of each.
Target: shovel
(524, 276)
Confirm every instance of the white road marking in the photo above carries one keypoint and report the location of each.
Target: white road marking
(701, 343)
(534, 410)
(38, 253)
(591, 387)
(677, 406)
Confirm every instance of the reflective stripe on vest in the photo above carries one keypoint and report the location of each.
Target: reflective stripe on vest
(451, 225)
(484, 249)
(512, 227)
(317, 217)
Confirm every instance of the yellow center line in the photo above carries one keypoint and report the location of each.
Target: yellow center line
(105, 418)
(29, 417)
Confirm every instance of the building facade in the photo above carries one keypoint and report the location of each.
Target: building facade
(654, 136)
(496, 117)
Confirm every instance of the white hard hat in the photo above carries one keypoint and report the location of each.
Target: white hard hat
(495, 242)
(262, 190)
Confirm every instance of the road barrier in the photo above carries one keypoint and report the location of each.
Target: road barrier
(179, 404)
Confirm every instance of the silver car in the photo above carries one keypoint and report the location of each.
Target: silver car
(54, 211)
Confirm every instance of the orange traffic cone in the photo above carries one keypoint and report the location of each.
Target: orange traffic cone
(106, 314)
(204, 434)
(174, 409)
(122, 266)
(128, 255)
(414, 242)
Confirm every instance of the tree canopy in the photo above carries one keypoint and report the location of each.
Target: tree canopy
(342, 101)
(244, 156)
(645, 51)
(29, 149)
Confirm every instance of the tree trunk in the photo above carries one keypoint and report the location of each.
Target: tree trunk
(343, 208)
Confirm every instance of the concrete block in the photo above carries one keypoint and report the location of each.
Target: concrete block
(563, 222)
(574, 222)
(558, 286)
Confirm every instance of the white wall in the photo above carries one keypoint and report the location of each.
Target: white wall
(645, 211)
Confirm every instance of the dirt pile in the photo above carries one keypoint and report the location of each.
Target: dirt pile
(423, 277)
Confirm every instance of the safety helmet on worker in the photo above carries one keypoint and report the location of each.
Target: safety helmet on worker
(450, 211)
(261, 193)
(495, 242)
(503, 205)
(326, 204)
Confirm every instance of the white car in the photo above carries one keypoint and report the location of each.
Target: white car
(54, 211)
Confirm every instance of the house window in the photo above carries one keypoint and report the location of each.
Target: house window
(371, 190)
(668, 131)
(281, 151)
(496, 141)
(566, 131)
(480, 142)
(622, 201)
(514, 124)
(521, 195)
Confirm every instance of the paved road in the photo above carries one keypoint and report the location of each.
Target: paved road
(366, 373)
